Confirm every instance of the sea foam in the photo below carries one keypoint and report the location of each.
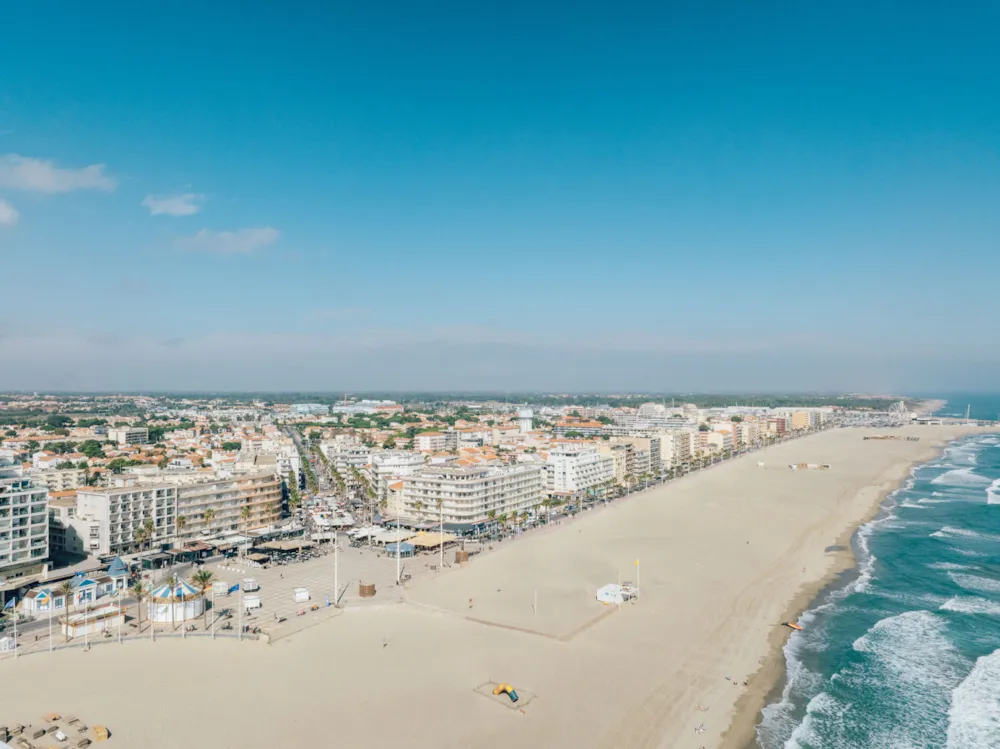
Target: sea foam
(960, 477)
(975, 582)
(974, 715)
(970, 605)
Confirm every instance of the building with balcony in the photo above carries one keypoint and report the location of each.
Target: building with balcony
(129, 435)
(121, 512)
(388, 466)
(573, 468)
(471, 498)
(24, 523)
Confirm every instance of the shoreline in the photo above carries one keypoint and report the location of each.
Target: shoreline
(768, 682)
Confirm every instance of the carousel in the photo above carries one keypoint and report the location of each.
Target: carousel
(176, 605)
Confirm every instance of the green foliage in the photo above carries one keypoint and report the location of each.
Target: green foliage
(57, 421)
(32, 446)
(228, 446)
(84, 423)
(704, 428)
(736, 419)
(10, 433)
(91, 448)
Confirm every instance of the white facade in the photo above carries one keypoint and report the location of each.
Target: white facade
(122, 511)
(24, 523)
(60, 480)
(346, 452)
(524, 417)
(436, 441)
(469, 495)
(389, 465)
(129, 435)
(572, 468)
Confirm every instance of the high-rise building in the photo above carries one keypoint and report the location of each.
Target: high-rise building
(24, 523)
(524, 417)
(572, 468)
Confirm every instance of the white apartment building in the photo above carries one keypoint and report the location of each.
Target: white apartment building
(121, 511)
(573, 468)
(468, 495)
(345, 452)
(432, 442)
(60, 480)
(129, 435)
(390, 465)
(70, 535)
(184, 506)
(24, 523)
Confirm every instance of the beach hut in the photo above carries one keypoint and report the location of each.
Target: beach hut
(182, 603)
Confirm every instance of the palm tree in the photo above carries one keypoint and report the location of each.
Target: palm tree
(209, 516)
(419, 507)
(138, 589)
(492, 515)
(202, 580)
(65, 590)
(245, 517)
(181, 523)
(503, 523)
(172, 581)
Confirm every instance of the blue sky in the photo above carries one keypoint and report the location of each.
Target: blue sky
(679, 196)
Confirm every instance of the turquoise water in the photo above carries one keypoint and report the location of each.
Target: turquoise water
(905, 654)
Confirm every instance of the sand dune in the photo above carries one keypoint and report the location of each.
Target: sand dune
(725, 555)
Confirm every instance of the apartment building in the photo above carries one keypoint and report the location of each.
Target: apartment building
(345, 452)
(70, 535)
(432, 442)
(675, 448)
(652, 447)
(209, 505)
(573, 468)
(24, 523)
(183, 506)
(120, 512)
(623, 457)
(60, 480)
(468, 495)
(129, 435)
(388, 466)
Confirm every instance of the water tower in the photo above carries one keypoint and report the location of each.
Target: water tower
(524, 416)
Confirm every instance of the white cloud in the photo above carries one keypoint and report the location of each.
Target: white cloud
(237, 242)
(186, 204)
(8, 214)
(36, 175)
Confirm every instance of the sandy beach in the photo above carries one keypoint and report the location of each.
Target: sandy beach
(725, 555)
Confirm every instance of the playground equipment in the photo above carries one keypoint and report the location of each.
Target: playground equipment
(506, 689)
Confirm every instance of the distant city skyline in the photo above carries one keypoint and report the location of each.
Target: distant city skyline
(384, 197)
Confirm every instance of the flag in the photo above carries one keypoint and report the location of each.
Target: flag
(234, 589)
(10, 604)
(636, 562)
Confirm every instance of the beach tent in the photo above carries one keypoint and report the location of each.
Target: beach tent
(177, 605)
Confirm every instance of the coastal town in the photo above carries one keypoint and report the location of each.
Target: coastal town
(106, 497)
(129, 520)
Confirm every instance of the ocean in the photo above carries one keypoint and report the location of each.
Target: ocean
(904, 653)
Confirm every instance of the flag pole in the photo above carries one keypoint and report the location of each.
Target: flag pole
(52, 601)
(16, 645)
(213, 613)
(241, 614)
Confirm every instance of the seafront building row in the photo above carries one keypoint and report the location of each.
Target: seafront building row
(86, 490)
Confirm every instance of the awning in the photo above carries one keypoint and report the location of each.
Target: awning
(431, 540)
(404, 548)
